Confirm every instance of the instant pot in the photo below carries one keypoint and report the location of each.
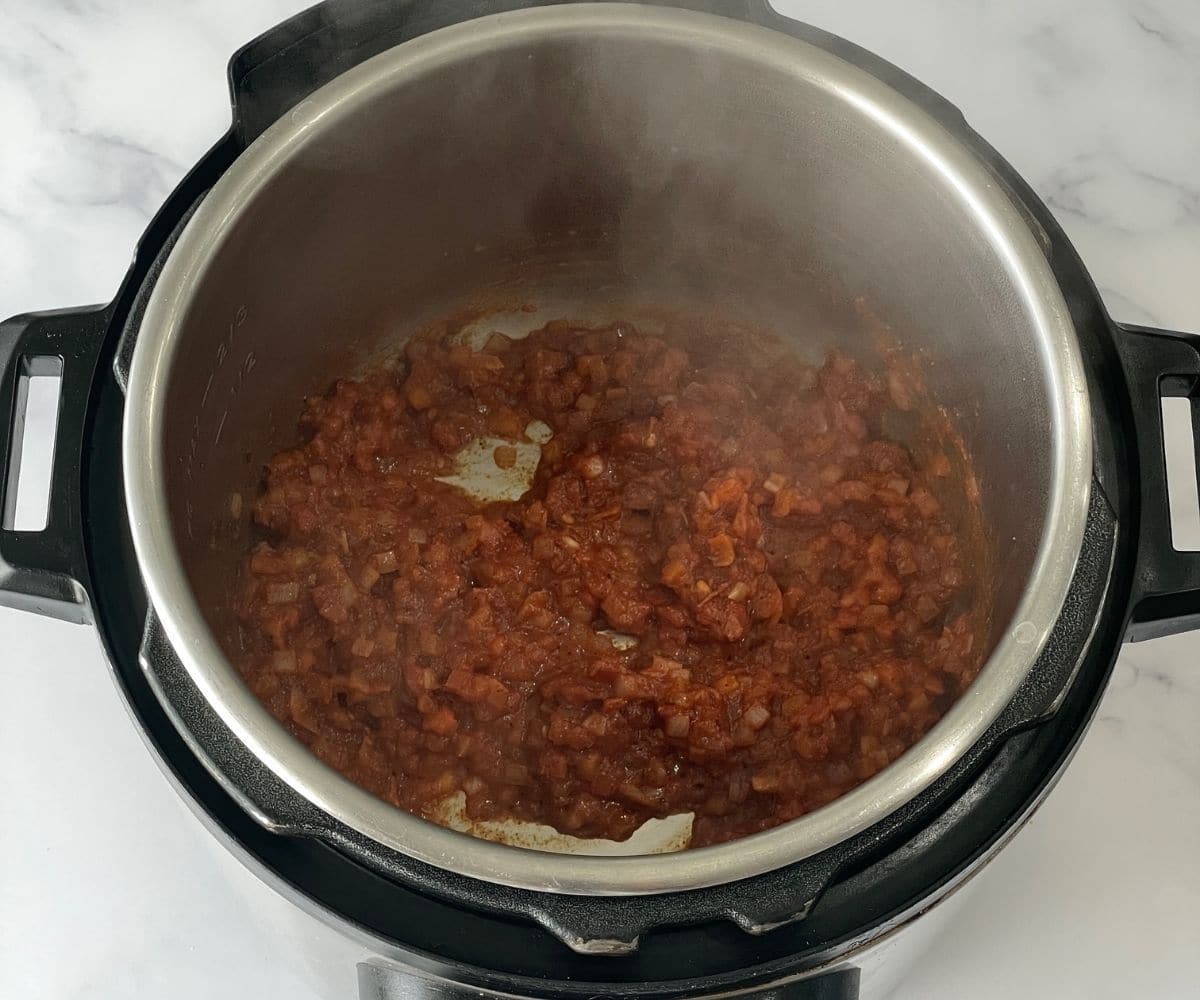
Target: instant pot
(389, 162)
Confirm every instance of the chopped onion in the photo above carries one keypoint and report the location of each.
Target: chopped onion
(756, 716)
(386, 562)
(284, 661)
(677, 726)
(283, 593)
(591, 467)
(763, 782)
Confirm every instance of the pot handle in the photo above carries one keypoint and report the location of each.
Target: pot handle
(1159, 363)
(46, 571)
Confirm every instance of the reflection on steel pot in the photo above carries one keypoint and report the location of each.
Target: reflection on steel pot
(598, 159)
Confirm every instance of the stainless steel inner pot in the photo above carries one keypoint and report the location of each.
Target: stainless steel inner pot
(595, 159)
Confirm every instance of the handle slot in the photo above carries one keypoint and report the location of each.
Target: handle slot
(35, 423)
(1183, 487)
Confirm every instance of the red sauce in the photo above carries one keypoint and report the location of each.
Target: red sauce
(800, 602)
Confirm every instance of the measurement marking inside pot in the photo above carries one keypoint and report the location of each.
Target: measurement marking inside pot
(1025, 632)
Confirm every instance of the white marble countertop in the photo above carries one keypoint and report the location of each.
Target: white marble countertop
(108, 887)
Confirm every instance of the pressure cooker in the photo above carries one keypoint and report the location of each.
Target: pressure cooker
(389, 160)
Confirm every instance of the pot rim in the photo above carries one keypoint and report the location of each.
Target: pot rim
(914, 771)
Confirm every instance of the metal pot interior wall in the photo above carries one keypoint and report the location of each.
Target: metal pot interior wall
(595, 173)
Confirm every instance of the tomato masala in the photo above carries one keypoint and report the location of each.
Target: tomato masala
(726, 591)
